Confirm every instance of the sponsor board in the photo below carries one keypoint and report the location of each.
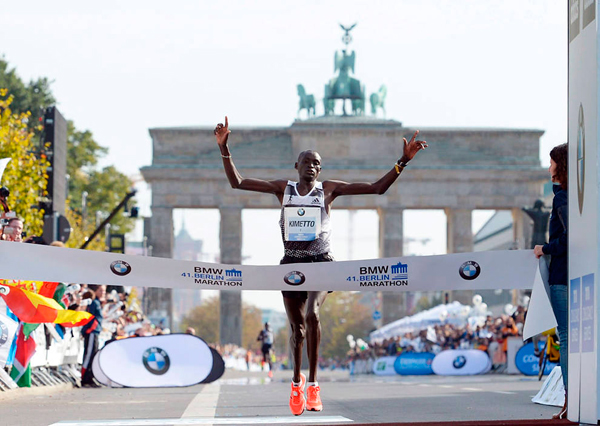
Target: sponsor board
(529, 364)
(414, 364)
(384, 366)
(461, 362)
(159, 361)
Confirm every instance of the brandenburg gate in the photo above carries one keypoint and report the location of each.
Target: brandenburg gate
(463, 169)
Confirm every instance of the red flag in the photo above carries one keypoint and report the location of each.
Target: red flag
(25, 350)
(32, 308)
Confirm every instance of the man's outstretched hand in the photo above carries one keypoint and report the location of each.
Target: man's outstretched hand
(222, 133)
(412, 147)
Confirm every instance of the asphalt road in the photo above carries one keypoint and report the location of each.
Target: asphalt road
(246, 398)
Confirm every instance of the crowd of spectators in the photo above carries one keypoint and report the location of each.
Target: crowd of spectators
(491, 336)
(116, 310)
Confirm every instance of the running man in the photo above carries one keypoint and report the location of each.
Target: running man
(266, 338)
(300, 200)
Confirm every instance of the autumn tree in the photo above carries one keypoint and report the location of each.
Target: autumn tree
(205, 320)
(106, 187)
(32, 97)
(25, 175)
(342, 314)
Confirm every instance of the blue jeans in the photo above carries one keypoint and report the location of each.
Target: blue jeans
(559, 299)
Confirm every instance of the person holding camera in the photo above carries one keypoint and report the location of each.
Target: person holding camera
(13, 230)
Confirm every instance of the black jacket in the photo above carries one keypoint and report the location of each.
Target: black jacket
(558, 245)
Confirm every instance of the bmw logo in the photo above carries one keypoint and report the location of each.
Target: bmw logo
(3, 333)
(301, 212)
(120, 268)
(459, 362)
(156, 361)
(294, 278)
(469, 270)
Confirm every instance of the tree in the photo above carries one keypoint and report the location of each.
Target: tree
(33, 97)
(205, 320)
(25, 175)
(251, 325)
(106, 187)
(342, 314)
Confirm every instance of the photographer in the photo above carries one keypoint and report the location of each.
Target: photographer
(13, 230)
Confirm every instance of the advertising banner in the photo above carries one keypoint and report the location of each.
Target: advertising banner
(414, 364)
(159, 361)
(459, 362)
(384, 366)
(583, 207)
(509, 269)
(529, 364)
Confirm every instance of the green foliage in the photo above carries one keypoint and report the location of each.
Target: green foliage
(25, 175)
(251, 325)
(281, 342)
(205, 320)
(32, 97)
(106, 187)
(342, 314)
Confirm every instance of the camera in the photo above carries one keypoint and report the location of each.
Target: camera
(4, 192)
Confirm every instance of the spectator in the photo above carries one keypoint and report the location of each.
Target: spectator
(91, 332)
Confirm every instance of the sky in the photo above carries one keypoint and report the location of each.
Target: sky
(120, 68)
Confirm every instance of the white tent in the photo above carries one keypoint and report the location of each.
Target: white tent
(452, 313)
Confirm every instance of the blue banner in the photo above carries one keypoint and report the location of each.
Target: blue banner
(529, 364)
(414, 364)
(574, 316)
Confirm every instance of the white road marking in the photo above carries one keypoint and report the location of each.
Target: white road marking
(505, 392)
(472, 389)
(205, 403)
(205, 421)
(446, 386)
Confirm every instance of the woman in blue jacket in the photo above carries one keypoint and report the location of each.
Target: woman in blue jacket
(558, 249)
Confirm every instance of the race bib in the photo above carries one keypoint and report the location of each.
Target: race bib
(302, 223)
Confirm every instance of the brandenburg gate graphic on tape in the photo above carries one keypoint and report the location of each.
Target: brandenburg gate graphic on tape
(463, 169)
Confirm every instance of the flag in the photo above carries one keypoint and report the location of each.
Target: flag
(8, 330)
(33, 308)
(47, 289)
(21, 370)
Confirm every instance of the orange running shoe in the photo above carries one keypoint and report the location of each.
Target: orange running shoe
(297, 398)
(313, 400)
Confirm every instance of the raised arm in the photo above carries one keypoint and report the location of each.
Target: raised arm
(236, 180)
(337, 188)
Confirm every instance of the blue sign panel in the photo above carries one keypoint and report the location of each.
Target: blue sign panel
(376, 315)
(414, 364)
(574, 318)
(587, 313)
(529, 364)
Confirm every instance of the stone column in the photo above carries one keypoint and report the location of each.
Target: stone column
(391, 240)
(459, 240)
(159, 300)
(521, 238)
(230, 322)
